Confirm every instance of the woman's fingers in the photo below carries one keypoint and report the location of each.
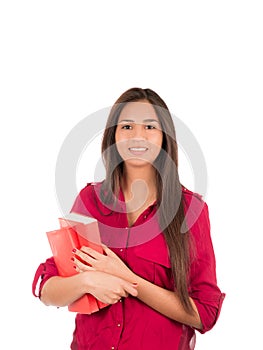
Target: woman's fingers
(122, 294)
(79, 254)
(109, 288)
(108, 251)
(91, 252)
(80, 266)
(131, 289)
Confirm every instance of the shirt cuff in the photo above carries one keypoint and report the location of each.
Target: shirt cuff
(209, 312)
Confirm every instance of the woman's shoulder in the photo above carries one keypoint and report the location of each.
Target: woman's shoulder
(190, 195)
(90, 186)
(91, 191)
(90, 201)
(196, 210)
(86, 200)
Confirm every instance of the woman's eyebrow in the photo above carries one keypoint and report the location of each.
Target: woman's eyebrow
(144, 121)
(126, 120)
(151, 120)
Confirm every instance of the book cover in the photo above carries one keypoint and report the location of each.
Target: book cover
(86, 227)
(75, 231)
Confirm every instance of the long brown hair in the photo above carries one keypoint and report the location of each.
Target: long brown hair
(169, 189)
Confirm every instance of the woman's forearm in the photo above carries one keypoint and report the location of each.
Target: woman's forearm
(62, 291)
(162, 300)
(166, 302)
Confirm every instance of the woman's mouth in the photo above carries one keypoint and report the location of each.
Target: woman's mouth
(138, 150)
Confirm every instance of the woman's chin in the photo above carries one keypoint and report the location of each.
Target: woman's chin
(137, 162)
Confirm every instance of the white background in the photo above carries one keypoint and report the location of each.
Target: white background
(61, 61)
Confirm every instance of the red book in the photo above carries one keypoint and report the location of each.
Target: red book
(75, 231)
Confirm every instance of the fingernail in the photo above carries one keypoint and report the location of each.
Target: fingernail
(74, 250)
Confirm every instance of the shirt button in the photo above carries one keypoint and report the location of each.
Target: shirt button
(120, 300)
(118, 324)
(121, 250)
(112, 348)
(145, 216)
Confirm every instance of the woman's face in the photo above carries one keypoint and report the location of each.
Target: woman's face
(138, 134)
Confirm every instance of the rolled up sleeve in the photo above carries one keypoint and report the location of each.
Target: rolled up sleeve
(203, 282)
(42, 274)
(209, 311)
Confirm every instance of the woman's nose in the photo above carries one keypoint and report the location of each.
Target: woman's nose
(139, 132)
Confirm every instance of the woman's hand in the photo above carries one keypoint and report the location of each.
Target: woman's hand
(108, 288)
(88, 259)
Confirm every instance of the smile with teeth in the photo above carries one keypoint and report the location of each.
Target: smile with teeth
(138, 149)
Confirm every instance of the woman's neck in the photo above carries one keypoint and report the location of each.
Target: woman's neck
(139, 185)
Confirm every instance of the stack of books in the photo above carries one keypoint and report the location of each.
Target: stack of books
(75, 231)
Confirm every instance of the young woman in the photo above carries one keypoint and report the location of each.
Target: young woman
(157, 272)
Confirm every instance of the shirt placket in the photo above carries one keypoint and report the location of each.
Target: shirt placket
(118, 325)
(123, 254)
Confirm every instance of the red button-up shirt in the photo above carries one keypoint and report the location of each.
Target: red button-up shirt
(130, 323)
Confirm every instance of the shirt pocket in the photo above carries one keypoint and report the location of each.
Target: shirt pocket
(154, 265)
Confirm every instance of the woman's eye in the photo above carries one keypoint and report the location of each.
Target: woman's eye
(126, 127)
(150, 127)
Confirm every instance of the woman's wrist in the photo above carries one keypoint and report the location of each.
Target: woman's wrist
(86, 281)
(131, 277)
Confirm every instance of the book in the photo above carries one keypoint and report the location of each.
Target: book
(75, 231)
(86, 227)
